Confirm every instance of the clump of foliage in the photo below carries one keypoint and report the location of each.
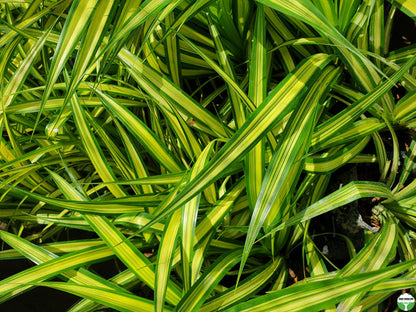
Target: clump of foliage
(194, 142)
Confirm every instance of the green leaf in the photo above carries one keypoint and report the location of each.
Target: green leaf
(151, 80)
(359, 66)
(56, 248)
(75, 24)
(19, 77)
(319, 164)
(120, 301)
(129, 254)
(93, 149)
(123, 205)
(408, 166)
(167, 246)
(23, 280)
(227, 67)
(265, 116)
(406, 6)
(207, 282)
(188, 221)
(148, 139)
(132, 17)
(405, 108)
(27, 22)
(347, 194)
(337, 123)
(40, 255)
(375, 255)
(318, 295)
(255, 160)
(357, 130)
(286, 164)
(90, 43)
(119, 244)
(246, 288)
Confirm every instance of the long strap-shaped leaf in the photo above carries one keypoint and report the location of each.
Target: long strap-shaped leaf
(246, 288)
(337, 123)
(172, 52)
(405, 108)
(93, 149)
(286, 164)
(132, 18)
(19, 76)
(56, 248)
(318, 295)
(40, 255)
(149, 78)
(164, 258)
(125, 279)
(132, 204)
(224, 60)
(117, 242)
(51, 268)
(188, 222)
(406, 6)
(375, 255)
(56, 103)
(207, 282)
(347, 194)
(89, 44)
(119, 301)
(332, 162)
(37, 153)
(26, 22)
(280, 102)
(408, 166)
(129, 254)
(231, 83)
(355, 131)
(185, 221)
(285, 176)
(255, 160)
(148, 139)
(76, 22)
(9, 93)
(305, 11)
(214, 216)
